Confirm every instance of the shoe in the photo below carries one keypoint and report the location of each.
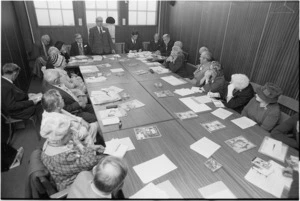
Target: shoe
(18, 158)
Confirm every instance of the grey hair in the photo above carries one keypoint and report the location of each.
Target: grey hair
(240, 81)
(179, 44)
(10, 68)
(203, 49)
(206, 55)
(51, 100)
(77, 34)
(50, 75)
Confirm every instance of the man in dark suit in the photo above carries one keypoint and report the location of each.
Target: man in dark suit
(134, 44)
(79, 47)
(100, 39)
(155, 43)
(75, 103)
(14, 101)
(166, 45)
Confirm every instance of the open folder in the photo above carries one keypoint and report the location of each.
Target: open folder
(273, 148)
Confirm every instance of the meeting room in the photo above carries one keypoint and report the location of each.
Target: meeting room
(150, 99)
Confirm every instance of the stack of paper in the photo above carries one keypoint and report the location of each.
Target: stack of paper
(110, 121)
(194, 106)
(221, 113)
(88, 69)
(244, 122)
(132, 105)
(273, 148)
(216, 190)
(183, 92)
(97, 58)
(205, 147)
(160, 70)
(196, 90)
(117, 70)
(113, 112)
(95, 79)
(112, 90)
(154, 168)
(104, 97)
(273, 183)
(173, 80)
(202, 99)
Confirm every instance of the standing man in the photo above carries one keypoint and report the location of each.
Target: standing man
(100, 39)
(79, 47)
(166, 46)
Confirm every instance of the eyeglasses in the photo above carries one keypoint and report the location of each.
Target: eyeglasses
(79, 38)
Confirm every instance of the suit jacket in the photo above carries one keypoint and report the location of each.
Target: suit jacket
(130, 46)
(178, 66)
(70, 103)
(165, 50)
(240, 98)
(75, 49)
(100, 43)
(14, 101)
(154, 46)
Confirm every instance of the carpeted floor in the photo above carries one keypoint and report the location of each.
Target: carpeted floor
(13, 181)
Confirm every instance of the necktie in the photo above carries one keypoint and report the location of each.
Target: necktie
(80, 49)
(100, 30)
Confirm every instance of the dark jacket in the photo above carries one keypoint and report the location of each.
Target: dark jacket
(100, 43)
(216, 85)
(14, 101)
(75, 49)
(178, 66)
(166, 50)
(130, 46)
(240, 98)
(154, 46)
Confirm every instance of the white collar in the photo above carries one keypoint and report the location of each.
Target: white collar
(7, 79)
(99, 193)
(51, 151)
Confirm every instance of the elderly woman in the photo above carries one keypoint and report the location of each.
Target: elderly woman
(39, 54)
(213, 79)
(264, 109)
(235, 94)
(64, 155)
(75, 82)
(51, 52)
(75, 100)
(175, 62)
(205, 63)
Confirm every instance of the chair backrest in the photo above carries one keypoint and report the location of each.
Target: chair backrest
(145, 45)
(186, 56)
(255, 86)
(120, 48)
(288, 103)
(190, 68)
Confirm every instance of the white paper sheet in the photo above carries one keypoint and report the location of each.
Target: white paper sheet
(222, 113)
(150, 191)
(110, 121)
(154, 168)
(116, 141)
(273, 184)
(202, 99)
(112, 90)
(195, 107)
(273, 148)
(243, 122)
(196, 90)
(94, 79)
(115, 148)
(205, 147)
(169, 189)
(109, 113)
(97, 58)
(216, 190)
(117, 70)
(183, 92)
(173, 80)
(88, 69)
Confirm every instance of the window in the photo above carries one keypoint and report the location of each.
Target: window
(102, 9)
(142, 12)
(54, 13)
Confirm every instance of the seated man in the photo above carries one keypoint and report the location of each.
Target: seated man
(39, 55)
(74, 103)
(264, 109)
(15, 102)
(155, 43)
(175, 62)
(235, 94)
(134, 44)
(205, 64)
(166, 46)
(64, 155)
(288, 132)
(107, 178)
(79, 47)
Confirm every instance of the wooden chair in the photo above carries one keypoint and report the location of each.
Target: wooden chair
(145, 45)
(290, 104)
(120, 48)
(10, 121)
(190, 68)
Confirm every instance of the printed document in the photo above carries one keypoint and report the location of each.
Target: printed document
(222, 113)
(243, 122)
(173, 80)
(273, 148)
(195, 107)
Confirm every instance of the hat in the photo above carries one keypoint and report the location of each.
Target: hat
(269, 93)
(57, 60)
(54, 128)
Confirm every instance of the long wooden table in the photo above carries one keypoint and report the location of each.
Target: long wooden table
(177, 136)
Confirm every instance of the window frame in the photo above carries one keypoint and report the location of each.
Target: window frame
(156, 12)
(54, 26)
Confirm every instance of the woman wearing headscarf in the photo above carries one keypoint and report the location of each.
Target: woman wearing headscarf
(263, 108)
(69, 147)
(175, 62)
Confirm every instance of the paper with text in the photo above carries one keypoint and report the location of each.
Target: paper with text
(202, 99)
(221, 113)
(195, 107)
(273, 148)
